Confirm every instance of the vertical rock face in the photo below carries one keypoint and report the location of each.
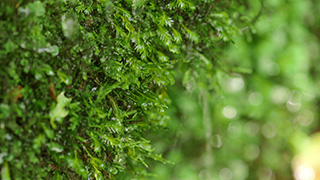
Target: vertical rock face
(82, 81)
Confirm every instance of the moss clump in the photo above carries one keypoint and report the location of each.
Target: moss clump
(82, 80)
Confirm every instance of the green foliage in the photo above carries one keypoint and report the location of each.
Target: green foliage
(82, 80)
(259, 120)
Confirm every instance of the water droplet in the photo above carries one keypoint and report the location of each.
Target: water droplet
(144, 105)
(68, 81)
(57, 149)
(94, 89)
(97, 149)
(122, 160)
(8, 137)
(113, 170)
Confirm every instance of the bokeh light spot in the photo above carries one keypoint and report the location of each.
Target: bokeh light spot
(229, 112)
(269, 130)
(305, 118)
(216, 141)
(252, 128)
(251, 152)
(225, 174)
(300, 80)
(294, 102)
(234, 84)
(264, 174)
(280, 95)
(255, 98)
(304, 172)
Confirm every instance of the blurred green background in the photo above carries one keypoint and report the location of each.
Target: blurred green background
(257, 125)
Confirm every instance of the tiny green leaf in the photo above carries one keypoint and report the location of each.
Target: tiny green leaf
(59, 112)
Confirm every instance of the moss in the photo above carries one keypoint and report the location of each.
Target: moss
(82, 80)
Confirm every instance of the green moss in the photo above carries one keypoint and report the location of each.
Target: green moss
(81, 81)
